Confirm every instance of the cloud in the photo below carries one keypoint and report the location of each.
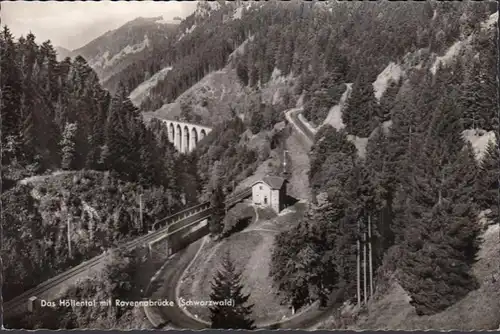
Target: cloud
(73, 24)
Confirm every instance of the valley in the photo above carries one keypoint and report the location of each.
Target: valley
(375, 126)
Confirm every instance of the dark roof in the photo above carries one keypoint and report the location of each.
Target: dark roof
(275, 182)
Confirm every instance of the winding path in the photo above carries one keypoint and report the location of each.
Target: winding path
(180, 318)
(292, 116)
(174, 315)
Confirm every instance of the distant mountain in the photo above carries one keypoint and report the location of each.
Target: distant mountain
(62, 53)
(201, 44)
(116, 49)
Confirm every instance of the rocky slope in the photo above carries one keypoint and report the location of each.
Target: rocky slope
(115, 50)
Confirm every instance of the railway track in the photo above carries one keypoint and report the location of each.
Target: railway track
(169, 225)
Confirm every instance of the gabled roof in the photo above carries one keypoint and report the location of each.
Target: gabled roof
(274, 182)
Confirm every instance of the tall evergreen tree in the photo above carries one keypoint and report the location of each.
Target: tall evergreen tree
(478, 98)
(402, 142)
(10, 85)
(328, 141)
(227, 288)
(388, 100)
(116, 136)
(469, 98)
(28, 131)
(290, 272)
(441, 233)
(217, 201)
(361, 113)
(377, 156)
(68, 146)
(461, 192)
(336, 220)
(489, 177)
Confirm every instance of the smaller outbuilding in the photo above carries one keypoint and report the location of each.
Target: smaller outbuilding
(270, 192)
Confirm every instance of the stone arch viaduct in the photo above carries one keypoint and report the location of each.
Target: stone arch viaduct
(185, 136)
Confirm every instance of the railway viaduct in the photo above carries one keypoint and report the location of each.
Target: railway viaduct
(178, 230)
(185, 136)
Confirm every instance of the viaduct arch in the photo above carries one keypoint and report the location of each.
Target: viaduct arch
(185, 136)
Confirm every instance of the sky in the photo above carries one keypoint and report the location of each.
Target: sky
(74, 24)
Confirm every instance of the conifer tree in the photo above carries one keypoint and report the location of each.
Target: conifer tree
(402, 143)
(432, 270)
(28, 132)
(377, 156)
(441, 232)
(227, 287)
(217, 201)
(335, 220)
(388, 100)
(478, 98)
(242, 72)
(361, 113)
(146, 171)
(10, 85)
(50, 65)
(116, 136)
(461, 192)
(328, 140)
(488, 179)
(288, 272)
(257, 121)
(469, 97)
(68, 146)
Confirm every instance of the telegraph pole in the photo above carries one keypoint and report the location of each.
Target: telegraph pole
(409, 141)
(364, 268)
(358, 267)
(140, 211)
(285, 174)
(284, 160)
(69, 235)
(370, 256)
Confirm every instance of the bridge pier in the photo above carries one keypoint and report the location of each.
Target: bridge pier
(185, 136)
(193, 139)
(168, 250)
(186, 141)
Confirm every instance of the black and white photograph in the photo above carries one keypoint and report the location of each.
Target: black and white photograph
(309, 165)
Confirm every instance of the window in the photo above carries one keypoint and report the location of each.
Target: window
(265, 200)
(260, 187)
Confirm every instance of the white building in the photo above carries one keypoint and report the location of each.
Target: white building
(271, 192)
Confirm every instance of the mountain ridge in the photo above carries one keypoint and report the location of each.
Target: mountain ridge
(113, 51)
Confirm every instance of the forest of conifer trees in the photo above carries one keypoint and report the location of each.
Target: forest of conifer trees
(420, 186)
(406, 208)
(57, 118)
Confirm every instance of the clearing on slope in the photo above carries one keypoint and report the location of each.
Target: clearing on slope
(211, 98)
(479, 140)
(393, 72)
(251, 250)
